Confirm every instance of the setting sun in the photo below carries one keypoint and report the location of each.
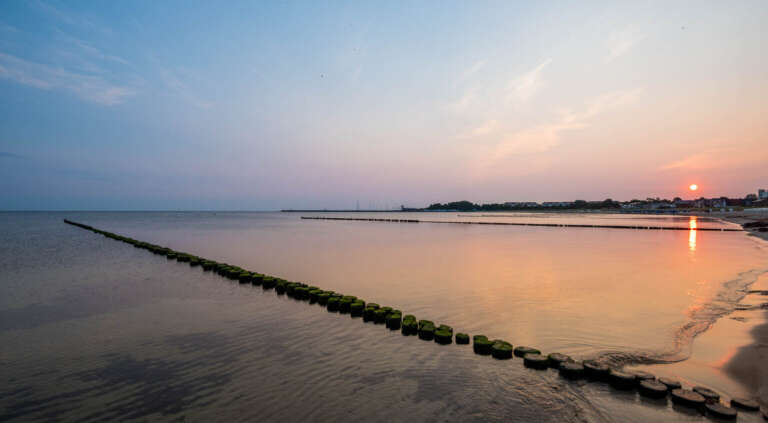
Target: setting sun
(693, 187)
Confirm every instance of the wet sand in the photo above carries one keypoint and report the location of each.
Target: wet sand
(749, 365)
(732, 355)
(742, 217)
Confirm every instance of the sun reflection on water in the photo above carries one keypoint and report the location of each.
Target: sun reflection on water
(692, 233)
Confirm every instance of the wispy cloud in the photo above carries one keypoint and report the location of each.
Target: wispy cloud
(486, 128)
(70, 64)
(542, 138)
(696, 161)
(8, 28)
(492, 98)
(494, 150)
(7, 155)
(86, 49)
(715, 158)
(71, 18)
(176, 79)
(496, 96)
(470, 71)
(93, 88)
(620, 42)
(464, 103)
(525, 86)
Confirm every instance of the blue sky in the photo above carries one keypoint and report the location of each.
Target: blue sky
(259, 105)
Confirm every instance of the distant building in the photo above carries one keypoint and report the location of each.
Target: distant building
(655, 205)
(521, 204)
(632, 205)
(557, 204)
(762, 194)
(711, 202)
(750, 197)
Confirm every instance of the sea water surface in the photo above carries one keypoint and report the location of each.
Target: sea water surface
(93, 329)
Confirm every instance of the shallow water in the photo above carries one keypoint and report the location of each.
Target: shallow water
(92, 329)
(548, 218)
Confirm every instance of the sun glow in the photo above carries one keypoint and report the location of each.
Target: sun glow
(692, 233)
(693, 187)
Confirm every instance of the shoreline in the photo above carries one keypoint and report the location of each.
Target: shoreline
(749, 364)
(731, 356)
(742, 217)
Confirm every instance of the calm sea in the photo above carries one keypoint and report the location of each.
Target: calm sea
(93, 329)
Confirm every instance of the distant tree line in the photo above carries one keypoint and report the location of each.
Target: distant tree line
(571, 205)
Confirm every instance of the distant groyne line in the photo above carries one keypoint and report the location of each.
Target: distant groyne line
(549, 225)
(701, 398)
(343, 211)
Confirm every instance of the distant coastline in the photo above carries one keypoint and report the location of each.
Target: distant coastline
(649, 206)
(740, 215)
(340, 211)
(745, 216)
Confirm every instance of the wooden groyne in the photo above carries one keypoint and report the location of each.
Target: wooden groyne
(548, 225)
(646, 384)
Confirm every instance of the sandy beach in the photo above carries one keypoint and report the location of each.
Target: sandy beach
(750, 364)
(732, 355)
(742, 217)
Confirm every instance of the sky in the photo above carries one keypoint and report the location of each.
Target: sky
(199, 105)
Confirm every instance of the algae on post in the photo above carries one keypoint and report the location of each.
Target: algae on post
(501, 349)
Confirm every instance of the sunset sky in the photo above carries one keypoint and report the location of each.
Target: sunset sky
(269, 105)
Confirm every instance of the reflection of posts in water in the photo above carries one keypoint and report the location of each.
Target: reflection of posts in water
(692, 233)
